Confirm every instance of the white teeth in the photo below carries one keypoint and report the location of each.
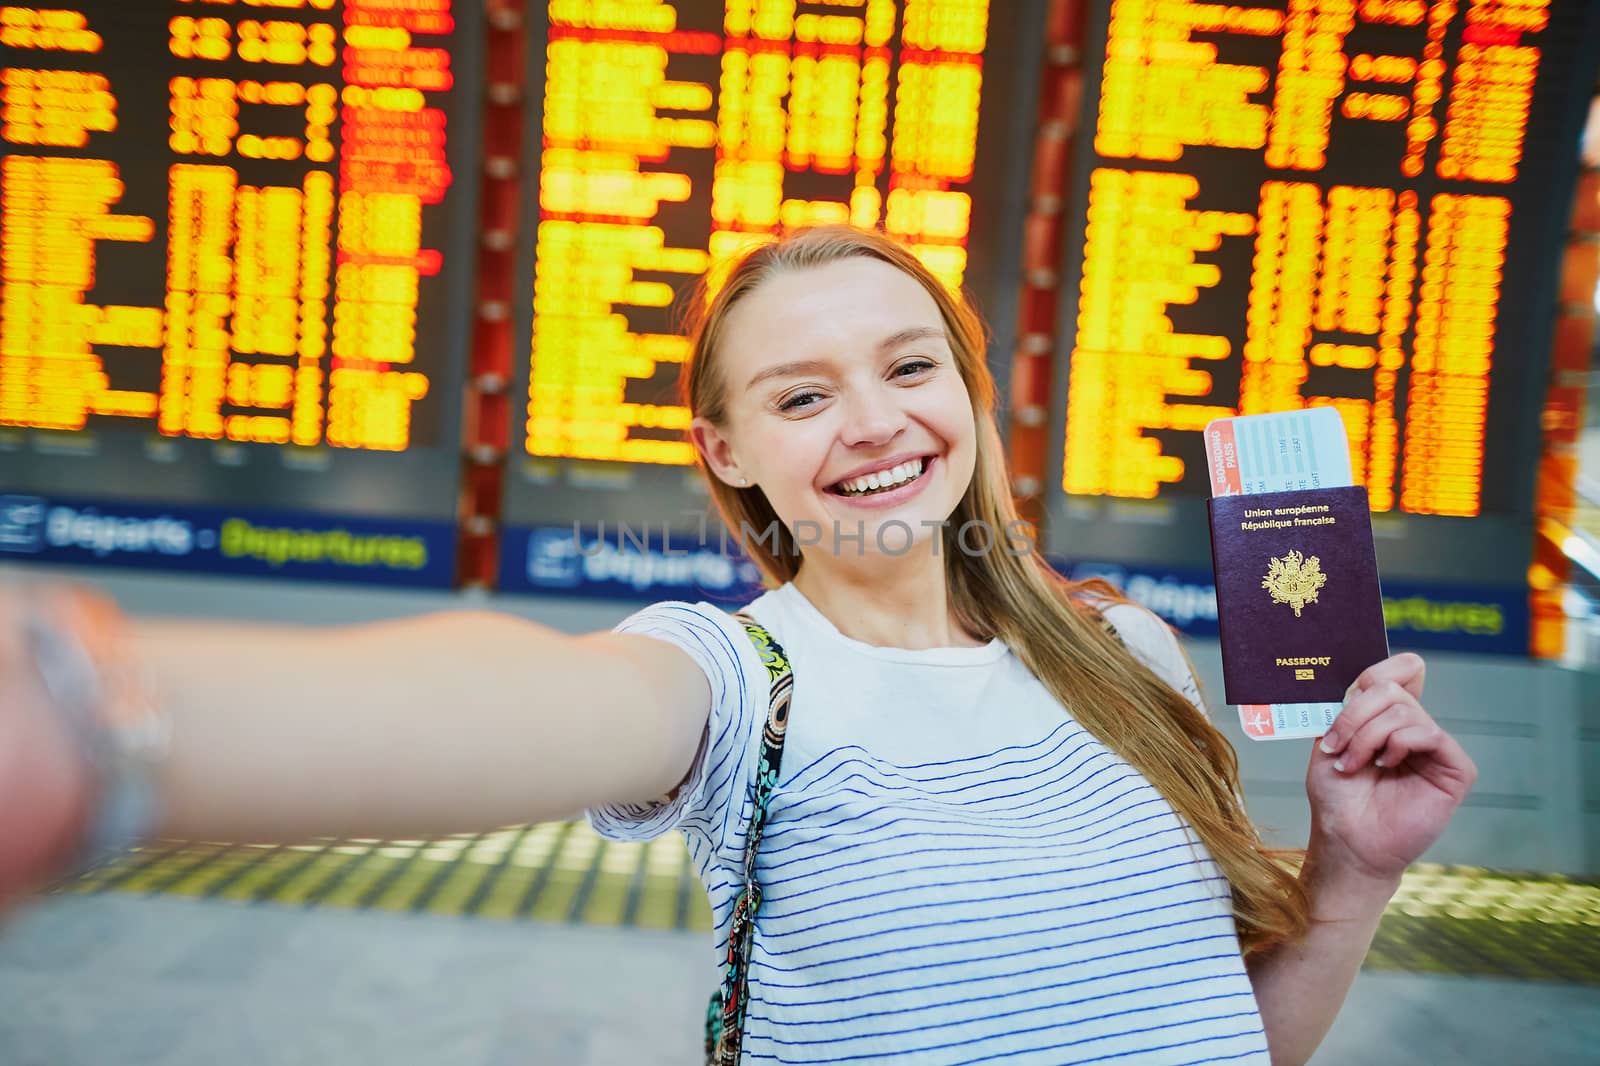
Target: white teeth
(883, 479)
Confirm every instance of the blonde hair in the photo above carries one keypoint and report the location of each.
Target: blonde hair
(1047, 621)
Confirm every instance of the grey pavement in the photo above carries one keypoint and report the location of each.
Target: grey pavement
(114, 980)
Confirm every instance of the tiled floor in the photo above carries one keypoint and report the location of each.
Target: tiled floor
(1455, 920)
(121, 980)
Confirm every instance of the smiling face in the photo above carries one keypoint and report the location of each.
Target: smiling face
(844, 404)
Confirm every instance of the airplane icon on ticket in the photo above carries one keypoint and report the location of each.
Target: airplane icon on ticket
(1259, 723)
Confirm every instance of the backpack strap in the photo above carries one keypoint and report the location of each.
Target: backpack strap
(725, 1014)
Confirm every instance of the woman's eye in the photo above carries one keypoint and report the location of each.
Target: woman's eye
(916, 366)
(798, 401)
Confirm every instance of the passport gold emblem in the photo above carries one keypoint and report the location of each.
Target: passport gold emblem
(1294, 580)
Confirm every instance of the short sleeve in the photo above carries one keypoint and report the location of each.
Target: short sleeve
(1152, 640)
(708, 805)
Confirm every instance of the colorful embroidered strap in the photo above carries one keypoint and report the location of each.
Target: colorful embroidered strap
(725, 1015)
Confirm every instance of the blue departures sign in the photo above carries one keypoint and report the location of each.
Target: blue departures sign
(646, 563)
(640, 563)
(227, 540)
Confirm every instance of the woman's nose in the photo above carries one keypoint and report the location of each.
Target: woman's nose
(874, 416)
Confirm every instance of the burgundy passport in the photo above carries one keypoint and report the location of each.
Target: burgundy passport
(1298, 601)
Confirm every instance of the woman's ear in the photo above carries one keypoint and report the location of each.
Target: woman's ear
(717, 451)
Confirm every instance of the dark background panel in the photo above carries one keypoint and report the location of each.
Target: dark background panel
(559, 492)
(118, 458)
(1494, 546)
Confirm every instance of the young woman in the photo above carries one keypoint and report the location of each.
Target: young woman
(1005, 827)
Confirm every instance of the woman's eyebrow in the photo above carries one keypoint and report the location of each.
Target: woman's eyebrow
(906, 336)
(814, 366)
(784, 370)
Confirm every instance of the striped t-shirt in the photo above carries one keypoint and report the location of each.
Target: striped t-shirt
(953, 870)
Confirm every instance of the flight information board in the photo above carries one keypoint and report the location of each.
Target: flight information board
(671, 136)
(1355, 203)
(237, 256)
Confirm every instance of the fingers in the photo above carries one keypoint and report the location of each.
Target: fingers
(1360, 708)
(1406, 670)
(1408, 740)
(1445, 763)
(1385, 726)
(1379, 714)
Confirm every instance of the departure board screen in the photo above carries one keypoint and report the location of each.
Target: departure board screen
(237, 252)
(672, 136)
(1352, 203)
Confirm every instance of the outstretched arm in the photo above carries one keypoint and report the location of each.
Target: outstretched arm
(453, 722)
(1383, 783)
(446, 723)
